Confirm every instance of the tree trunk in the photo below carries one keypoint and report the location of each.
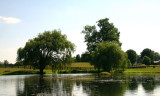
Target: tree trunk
(52, 68)
(98, 70)
(41, 70)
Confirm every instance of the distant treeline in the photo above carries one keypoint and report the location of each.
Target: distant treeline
(147, 57)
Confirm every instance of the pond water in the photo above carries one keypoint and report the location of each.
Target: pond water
(80, 85)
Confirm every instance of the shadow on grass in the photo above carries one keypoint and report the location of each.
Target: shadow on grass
(21, 72)
(78, 71)
(37, 72)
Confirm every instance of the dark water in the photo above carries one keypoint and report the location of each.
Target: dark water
(80, 85)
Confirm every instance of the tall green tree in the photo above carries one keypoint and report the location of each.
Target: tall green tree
(148, 52)
(109, 56)
(107, 32)
(132, 55)
(156, 56)
(146, 60)
(50, 47)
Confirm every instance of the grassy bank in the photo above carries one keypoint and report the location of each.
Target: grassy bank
(82, 68)
(143, 70)
(22, 71)
(17, 71)
(81, 64)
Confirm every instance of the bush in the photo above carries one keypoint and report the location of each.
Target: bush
(146, 60)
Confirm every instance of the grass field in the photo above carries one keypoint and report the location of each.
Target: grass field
(21, 71)
(15, 71)
(81, 64)
(143, 70)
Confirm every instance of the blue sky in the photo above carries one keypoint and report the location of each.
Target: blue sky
(137, 20)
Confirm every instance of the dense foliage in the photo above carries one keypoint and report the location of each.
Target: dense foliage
(103, 46)
(139, 59)
(5, 63)
(109, 56)
(132, 56)
(78, 58)
(146, 60)
(107, 32)
(154, 56)
(149, 53)
(50, 47)
(85, 57)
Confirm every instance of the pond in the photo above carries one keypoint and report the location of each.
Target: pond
(80, 85)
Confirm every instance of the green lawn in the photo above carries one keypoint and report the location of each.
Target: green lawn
(21, 71)
(16, 71)
(81, 64)
(143, 70)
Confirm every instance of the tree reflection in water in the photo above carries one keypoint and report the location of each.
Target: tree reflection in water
(149, 84)
(133, 84)
(58, 85)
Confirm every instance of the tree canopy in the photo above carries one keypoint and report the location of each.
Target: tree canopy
(50, 47)
(146, 60)
(156, 56)
(149, 53)
(5, 63)
(107, 32)
(85, 57)
(109, 56)
(78, 58)
(132, 56)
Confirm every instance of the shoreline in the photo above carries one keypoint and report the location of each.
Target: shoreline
(21, 71)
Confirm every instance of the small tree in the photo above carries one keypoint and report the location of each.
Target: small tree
(132, 56)
(78, 58)
(149, 53)
(85, 57)
(50, 47)
(146, 60)
(156, 56)
(1, 63)
(6, 63)
(109, 56)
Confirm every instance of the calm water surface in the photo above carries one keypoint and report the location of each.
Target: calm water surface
(80, 85)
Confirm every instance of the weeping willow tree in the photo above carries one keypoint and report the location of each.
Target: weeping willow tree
(109, 56)
(50, 47)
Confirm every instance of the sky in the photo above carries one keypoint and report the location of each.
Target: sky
(138, 22)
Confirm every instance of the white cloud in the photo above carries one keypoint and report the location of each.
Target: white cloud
(9, 20)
